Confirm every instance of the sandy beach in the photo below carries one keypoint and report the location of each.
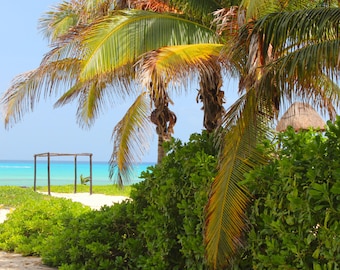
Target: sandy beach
(12, 261)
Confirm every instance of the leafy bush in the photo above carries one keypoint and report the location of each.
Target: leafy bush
(161, 228)
(295, 215)
(28, 227)
(15, 196)
(94, 240)
(169, 205)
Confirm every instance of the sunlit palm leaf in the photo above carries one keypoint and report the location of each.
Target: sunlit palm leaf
(177, 62)
(130, 139)
(122, 38)
(226, 221)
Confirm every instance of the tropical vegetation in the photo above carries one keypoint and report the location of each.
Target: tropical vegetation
(293, 220)
(154, 230)
(98, 50)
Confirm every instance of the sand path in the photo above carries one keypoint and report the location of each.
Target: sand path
(12, 261)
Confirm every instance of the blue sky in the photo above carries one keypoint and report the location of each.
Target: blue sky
(55, 130)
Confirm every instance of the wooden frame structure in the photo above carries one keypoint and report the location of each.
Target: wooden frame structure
(49, 155)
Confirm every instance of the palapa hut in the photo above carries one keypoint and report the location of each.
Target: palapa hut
(301, 116)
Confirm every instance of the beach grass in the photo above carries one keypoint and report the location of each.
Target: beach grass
(13, 196)
(112, 190)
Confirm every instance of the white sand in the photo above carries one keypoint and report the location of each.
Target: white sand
(95, 201)
(3, 214)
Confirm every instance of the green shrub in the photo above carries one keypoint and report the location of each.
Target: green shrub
(15, 196)
(161, 228)
(169, 204)
(94, 240)
(295, 215)
(31, 223)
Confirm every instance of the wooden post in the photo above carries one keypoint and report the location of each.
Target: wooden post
(48, 174)
(75, 174)
(90, 174)
(35, 172)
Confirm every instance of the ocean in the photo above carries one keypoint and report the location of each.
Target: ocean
(21, 173)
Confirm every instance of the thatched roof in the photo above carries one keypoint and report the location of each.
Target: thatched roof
(300, 116)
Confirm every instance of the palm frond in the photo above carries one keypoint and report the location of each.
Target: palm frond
(26, 88)
(318, 58)
(320, 91)
(122, 38)
(298, 28)
(177, 63)
(259, 8)
(154, 5)
(226, 220)
(198, 10)
(130, 137)
(58, 21)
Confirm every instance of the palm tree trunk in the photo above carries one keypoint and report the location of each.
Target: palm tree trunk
(163, 118)
(160, 149)
(212, 97)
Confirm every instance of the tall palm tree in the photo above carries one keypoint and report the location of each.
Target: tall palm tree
(262, 96)
(77, 34)
(97, 59)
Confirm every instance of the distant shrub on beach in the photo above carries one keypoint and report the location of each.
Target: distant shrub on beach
(94, 240)
(31, 223)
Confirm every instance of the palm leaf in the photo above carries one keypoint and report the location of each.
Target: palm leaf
(122, 38)
(318, 58)
(176, 63)
(58, 21)
(298, 28)
(130, 139)
(226, 220)
(198, 10)
(27, 88)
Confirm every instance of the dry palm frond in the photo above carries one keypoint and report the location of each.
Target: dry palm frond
(154, 5)
(226, 222)
(130, 137)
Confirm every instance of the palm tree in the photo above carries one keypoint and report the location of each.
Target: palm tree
(262, 95)
(77, 34)
(88, 59)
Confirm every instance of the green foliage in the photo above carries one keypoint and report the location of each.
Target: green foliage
(160, 228)
(170, 203)
(84, 180)
(295, 214)
(30, 224)
(95, 240)
(14, 196)
(113, 190)
(294, 217)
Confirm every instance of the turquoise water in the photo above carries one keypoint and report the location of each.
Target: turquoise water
(21, 173)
